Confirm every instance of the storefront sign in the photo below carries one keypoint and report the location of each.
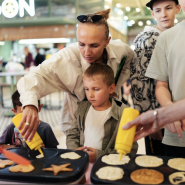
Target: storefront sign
(10, 8)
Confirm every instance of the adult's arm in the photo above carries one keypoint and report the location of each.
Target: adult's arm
(163, 94)
(164, 98)
(61, 72)
(143, 86)
(168, 114)
(73, 135)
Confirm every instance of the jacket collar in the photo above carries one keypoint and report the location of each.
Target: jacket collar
(115, 110)
(110, 52)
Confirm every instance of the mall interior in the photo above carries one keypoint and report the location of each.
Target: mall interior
(43, 28)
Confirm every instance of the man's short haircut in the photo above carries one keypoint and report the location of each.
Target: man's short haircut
(100, 69)
(16, 102)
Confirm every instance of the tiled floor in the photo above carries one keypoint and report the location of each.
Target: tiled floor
(51, 116)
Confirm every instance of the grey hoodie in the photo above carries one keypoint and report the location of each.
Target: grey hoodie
(143, 88)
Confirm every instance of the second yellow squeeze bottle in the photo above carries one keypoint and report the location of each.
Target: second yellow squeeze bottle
(36, 142)
(125, 138)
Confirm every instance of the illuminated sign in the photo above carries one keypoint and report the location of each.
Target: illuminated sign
(10, 8)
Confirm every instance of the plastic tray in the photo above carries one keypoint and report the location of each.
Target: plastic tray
(129, 168)
(52, 156)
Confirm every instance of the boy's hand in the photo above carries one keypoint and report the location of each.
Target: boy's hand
(92, 154)
(81, 148)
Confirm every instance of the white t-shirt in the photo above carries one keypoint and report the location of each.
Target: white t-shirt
(94, 127)
(168, 65)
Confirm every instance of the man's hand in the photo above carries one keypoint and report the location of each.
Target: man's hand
(126, 89)
(30, 116)
(145, 125)
(92, 154)
(157, 136)
(175, 128)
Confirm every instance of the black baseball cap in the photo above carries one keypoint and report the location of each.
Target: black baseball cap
(150, 4)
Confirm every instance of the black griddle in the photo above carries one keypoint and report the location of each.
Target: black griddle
(129, 168)
(52, 156)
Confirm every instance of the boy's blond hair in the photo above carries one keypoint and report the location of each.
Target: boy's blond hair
(100, 69)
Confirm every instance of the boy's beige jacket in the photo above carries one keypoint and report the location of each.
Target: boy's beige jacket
(63, 71)
(75, 135)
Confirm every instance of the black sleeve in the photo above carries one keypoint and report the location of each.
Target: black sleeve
(47, 135)
(51, 141)
(7, 135)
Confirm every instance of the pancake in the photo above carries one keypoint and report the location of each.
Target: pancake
(148, 161)
(70, 155)
(110, 173)
(147, 176)
(113, 159)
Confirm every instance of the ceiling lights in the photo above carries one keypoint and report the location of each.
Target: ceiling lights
(120, 12)
(44, 41)
(140, 23)
(148, 22)
(106, 6)
(126, 18)
(138, 10)
(132, 21)
(127, 9)
(118, 5)
(2, 43)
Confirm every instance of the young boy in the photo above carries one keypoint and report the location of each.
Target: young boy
(167, 67)
(96, 121)
(11, 138)
(143, 88)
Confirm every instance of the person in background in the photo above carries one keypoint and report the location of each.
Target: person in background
(94, 128)
(1, 62)
(126, 92)
(11, 136)
(143, 88)
(29, 59)
(167, 67)
(39, 58)
(63, 70)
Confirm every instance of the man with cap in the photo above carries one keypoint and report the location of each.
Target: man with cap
(143, 88)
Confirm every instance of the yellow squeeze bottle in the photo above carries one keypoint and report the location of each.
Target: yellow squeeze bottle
(36, 142)
(125, 138)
